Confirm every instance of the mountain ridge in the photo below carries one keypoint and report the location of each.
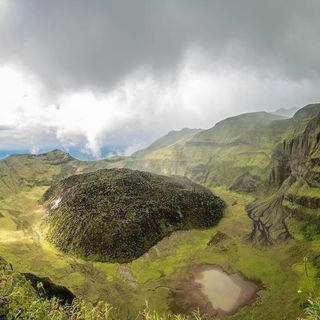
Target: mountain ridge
(250, 159)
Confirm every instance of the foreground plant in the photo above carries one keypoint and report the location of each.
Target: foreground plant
(312, 311)
(19, 300)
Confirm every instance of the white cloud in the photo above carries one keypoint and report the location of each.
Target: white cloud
(141, 107)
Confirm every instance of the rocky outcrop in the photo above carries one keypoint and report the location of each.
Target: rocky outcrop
(246, 183)
(294, 167)
(268, 218)
(217, 238)
(198, 173)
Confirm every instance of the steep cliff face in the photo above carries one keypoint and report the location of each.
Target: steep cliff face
(246, 183)
(295, 171)
(302, 199)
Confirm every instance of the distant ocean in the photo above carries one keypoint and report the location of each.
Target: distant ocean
(6, 153)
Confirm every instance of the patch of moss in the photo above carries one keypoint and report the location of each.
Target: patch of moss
(118, 214)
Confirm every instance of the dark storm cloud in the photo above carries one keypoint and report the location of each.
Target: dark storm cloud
(78, 44)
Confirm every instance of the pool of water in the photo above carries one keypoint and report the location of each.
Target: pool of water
(225, 291)
(213, 291)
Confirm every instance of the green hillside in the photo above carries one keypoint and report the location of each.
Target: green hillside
(245, 128)
(23, 172)
(169, 139)
(264, 167)
(119, 214)
(274, 158)
(237, 146)
(219, 155)
(284, 112)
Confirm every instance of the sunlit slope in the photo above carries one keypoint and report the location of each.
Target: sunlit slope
(275, 158)
(23, 172)
(169, 139)
(219, 155)
(255, 152)
(237, 147)
(245, 128)
(19, 172)
(164, 156)
(233, 147)
(281, 268)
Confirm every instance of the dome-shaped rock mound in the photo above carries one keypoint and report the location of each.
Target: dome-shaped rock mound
(118, 214)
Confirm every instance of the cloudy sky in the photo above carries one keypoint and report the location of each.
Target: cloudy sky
(93, 74)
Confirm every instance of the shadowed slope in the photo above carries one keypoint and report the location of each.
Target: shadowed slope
(295, 168)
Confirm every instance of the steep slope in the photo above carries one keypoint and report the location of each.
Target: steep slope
(169, 139)
(30, 297)
(29, 286)
(118, 214)
(288, 113)
(245, 128)
(235, 152)
(260, 153)
(218, 156)
(295, 170)
(164, 156)
(247, 153)
(22, 172)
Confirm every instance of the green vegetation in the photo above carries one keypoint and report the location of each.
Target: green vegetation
(169, 139)
(19, 299)
(219, 155)
(237, 146)
(23, 172)
(119, 214)
(312, 311)
(298, 194)
(281, 268)
(274, 160)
